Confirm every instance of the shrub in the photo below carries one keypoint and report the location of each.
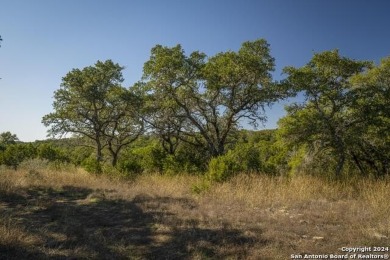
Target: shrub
(150, 158)
(244, 157)
(51, 153)
(220, 169)
(224, 167)
(129, 166)
(14, 154)
(91, 165)
(79, 154)
(171, 165)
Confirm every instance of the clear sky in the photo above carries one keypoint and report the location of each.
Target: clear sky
(45, 39)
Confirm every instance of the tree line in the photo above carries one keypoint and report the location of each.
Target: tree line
(187, 113)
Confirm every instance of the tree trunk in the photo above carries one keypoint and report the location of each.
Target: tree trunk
(114, 159)
(114, 154)
(358, 164)
(341, 153)
(99, 154)
(216, 150)
(340, 165)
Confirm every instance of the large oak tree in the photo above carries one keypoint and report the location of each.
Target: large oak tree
(324, 121)
(206, 99)
(371, 109)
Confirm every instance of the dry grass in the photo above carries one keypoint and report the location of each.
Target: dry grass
(46, 214)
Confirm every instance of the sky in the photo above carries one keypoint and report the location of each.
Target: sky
(45, 39)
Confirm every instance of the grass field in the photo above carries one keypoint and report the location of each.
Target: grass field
(71, 214)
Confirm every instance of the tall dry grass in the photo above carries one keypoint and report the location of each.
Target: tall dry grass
(154, 216)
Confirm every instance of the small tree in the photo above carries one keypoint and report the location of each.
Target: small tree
(92, 103)
(7, 138)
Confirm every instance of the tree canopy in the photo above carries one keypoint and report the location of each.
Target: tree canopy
(8, 138)
(344, 111)
(195, 105)
(92, 103)
(205, 99)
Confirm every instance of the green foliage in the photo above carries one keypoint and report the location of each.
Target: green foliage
(52, 153)
(117, 173)
(130, 166)
(92, 103)
(14, 154)
(220, 169)
(344, 125)
(296, 160)
(244, 158)
(323, 122)
(151, 157)
(79, 154)
(371, 108)
(192, 107)
(7, 138)
(189, 159)
(202, 101)
(148, 155)
(92, 165)
(171, 165)
(271, 155)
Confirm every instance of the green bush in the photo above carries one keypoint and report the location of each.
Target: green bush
(150, 158)
(223, 167)
(14, 154)
(171, 165)
(78, 154)
(52, 153)
(153, 158)
(191, 160)
(244, 157)
(130, 166)
(220, 169)
(91, 165)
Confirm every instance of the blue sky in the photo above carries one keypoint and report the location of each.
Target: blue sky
(45, 39)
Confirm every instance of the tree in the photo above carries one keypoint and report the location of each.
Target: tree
(324, 120)
(7, 138)
(207, 100)
(125, 124)
(160, 114)
(371, 108)
(92, 103)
